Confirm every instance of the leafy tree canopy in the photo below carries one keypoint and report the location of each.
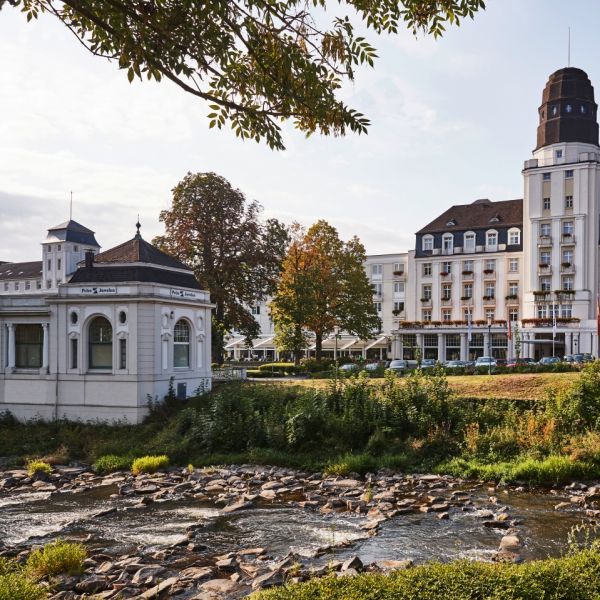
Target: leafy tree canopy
(256, 62)
(236, 256)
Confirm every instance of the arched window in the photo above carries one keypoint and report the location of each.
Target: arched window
(181, 344)
(491, 238)
(448, 243)
(514, 236)
(28, 346)
(100, 344)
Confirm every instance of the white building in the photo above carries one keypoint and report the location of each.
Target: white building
(531, 261)
(96, 340)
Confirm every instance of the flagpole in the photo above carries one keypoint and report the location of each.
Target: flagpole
(553, 328)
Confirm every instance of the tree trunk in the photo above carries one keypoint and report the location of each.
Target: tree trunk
(318, 345)
(298, 349)
(217, 335)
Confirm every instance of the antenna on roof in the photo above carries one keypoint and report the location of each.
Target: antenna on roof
(71, 207)
(569, 49)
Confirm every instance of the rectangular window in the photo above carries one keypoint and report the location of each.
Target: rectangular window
(569, 174)
(566, 311)
(447, 291)
(376, 270)
(398, 307)
(490, 315)
(377, 306)
(58, 264)
(513, 314)
(545, 229)
(122, 353)
(545, 284)
(377, 289)
(467, 290)
(514, 237)
(28, 346)
(546, 204)
(28, 285)
(469, 241)
(426, 269)
(59, 247)
(447, 314)
(73, 353)
(426, 315)
(468, 266)
(567, 257)
(16, 286)
(255, 310)
(568, 228)
(467, 314)
(545, 257)
(426, 292)
(427, 243)
(547, 176)
(558, 153)
(399, 287)
(568, 201)
(490, 290)
(447, 267)
(513, 288)
(568, 283)
(447, 243)
(38, 285)
(6, 286)
(75, 248)
(48, 284)
(49, 264)
(490, 265)
(492, 239)
(542, 311)
(398, 268)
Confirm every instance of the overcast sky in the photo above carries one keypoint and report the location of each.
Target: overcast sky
(452, 121)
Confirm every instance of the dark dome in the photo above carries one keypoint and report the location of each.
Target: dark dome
(568, 110)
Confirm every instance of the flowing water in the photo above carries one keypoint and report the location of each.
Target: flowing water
(280, 528)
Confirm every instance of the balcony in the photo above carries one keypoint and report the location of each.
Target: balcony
(426, 302)
(511, 298)
(542, 295)
(569, 322)
(467, 274)
(489, 300)
(446, 300)
(446, 275)
(565, 295)
(567, 239)
(489, 273)
(545, 240)
(466, 299)
(399, 274)
(567, 268)
(377, 297)
(545, 269)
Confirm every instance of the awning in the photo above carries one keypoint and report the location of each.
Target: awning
(263, 342)
(382, 339)
(348, 344)
(235, 343)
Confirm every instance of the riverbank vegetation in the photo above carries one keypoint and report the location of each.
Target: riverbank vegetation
(416, 423)
(573, 577)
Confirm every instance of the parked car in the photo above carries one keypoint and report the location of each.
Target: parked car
(549, 360)
(428, 363)
(370, 367)
(349, 368)
(501, 362)
(455, 364)
(485, 361)
(398, 366)
(520, 362)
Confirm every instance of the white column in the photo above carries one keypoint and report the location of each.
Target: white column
(420, 344)
(568, 343)
(165, 353)
(487, 351)
(11, 346)
(45, 348)
(441, 347)
(464, 347)
(200, 351)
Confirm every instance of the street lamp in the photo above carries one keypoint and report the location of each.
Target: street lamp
(489, 345)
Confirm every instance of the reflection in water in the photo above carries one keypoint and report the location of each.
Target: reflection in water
(281, 529)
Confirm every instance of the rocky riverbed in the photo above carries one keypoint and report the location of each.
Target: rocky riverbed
(223, 533)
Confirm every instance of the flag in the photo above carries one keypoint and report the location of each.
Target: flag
(470, 326)
(554, 322)
(509, 332)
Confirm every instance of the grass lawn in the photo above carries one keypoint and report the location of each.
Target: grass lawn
(520, 386)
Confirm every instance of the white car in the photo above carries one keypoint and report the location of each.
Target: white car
(398, 366)
(485, 361)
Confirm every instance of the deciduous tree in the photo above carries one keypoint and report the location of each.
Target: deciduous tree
(237, 257)
(323, 284)
(256, 62)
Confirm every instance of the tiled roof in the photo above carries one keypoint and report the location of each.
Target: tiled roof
(138, 250)
(481, 214)
(24, 270)
(72, 231)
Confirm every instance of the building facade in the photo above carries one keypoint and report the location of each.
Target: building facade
(484, 276)
(99, 338)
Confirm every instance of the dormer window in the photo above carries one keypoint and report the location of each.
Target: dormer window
(451, 223)
(514, 236)
(491, 239)
(495, 219)
(469, 241)
(448, 242)
(427, 243)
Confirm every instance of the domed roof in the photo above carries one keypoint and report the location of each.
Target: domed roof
(568, 110)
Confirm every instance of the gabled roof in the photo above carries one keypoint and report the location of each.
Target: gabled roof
(72, 231)
(23, 270)
(138, 250)
(481, 214)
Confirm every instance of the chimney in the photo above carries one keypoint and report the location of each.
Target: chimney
(89, 259)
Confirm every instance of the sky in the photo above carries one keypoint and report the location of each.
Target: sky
(452, 121)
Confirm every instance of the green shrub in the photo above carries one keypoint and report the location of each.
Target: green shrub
(38, 466)
(149, 464)
(352, 463)
(55, 558)
(574, 577)
(312, 365)
(284, 368)
(258, 374)
(17, 585)
(111, 462)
